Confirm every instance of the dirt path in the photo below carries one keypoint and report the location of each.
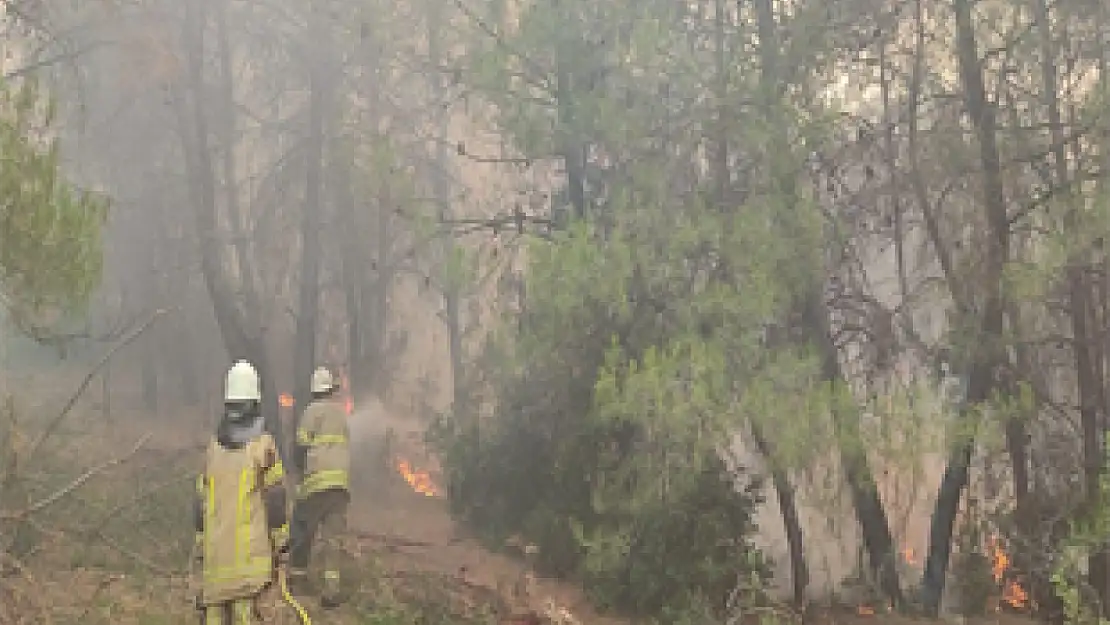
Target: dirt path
(416, 532)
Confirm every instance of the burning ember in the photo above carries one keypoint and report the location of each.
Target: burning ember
(419, 481)
(1012, 592)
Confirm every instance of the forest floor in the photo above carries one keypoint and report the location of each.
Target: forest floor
(116, 550)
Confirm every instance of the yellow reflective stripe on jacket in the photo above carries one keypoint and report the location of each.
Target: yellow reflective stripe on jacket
(304, 437)
(308, 439)
(275, 475)
(209, 520)
(243, 565)
(242, 519)
(324, 480)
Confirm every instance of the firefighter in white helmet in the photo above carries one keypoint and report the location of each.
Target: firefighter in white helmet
(240, 510)
(322, 455)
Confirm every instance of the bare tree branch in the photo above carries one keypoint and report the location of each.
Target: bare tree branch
(127, 340)
(75, 484)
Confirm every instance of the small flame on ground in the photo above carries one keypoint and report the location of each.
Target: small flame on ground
(419, 481)
(1012, 592)
(286, 400)
(909, 556)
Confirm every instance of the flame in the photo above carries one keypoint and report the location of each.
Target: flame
(868, 610)
(285, 400)
(1012, 593)
(420, 481)
(910, 556)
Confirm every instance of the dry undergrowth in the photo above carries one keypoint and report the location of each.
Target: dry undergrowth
(97, 529)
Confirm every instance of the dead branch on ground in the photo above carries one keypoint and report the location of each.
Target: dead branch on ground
(75, 484)
(104, 360)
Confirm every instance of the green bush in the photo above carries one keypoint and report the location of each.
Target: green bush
(605, 446)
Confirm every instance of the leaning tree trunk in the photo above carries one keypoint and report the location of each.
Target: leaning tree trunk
(986, 353)
(780, 479)
(864, 491)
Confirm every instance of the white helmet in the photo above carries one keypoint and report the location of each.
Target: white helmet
(242, 383)
(322, 380)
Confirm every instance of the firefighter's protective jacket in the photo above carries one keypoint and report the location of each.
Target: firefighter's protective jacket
(323, 449)
(241, 518)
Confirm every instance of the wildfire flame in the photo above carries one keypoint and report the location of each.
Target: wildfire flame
(286, 400)
(910, 556)
(420, 481)
(1012, 593)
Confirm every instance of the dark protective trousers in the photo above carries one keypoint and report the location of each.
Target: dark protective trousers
(323, 513)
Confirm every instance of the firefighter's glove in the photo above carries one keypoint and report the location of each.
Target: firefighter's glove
(280, 538)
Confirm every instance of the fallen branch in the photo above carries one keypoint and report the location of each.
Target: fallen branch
(75, 484)
(392, 540)
(125, 341)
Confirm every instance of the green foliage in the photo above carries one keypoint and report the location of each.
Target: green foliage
(606, 447)
(1069, 575)
(643, 348)
(50, 246)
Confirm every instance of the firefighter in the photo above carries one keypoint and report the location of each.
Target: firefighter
(322, 456)
(241, 529)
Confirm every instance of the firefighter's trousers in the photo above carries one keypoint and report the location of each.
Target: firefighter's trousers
(237, 612)
(325, 513)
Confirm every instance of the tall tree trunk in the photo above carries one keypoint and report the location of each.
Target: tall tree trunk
(375, 303)
(240, 331)
(985, 354)
(304, 358)
(864, 492)
(780, 480)
(189, 351)
(862, 488)
(352, 264)
(1079, 308)
(441, 190)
